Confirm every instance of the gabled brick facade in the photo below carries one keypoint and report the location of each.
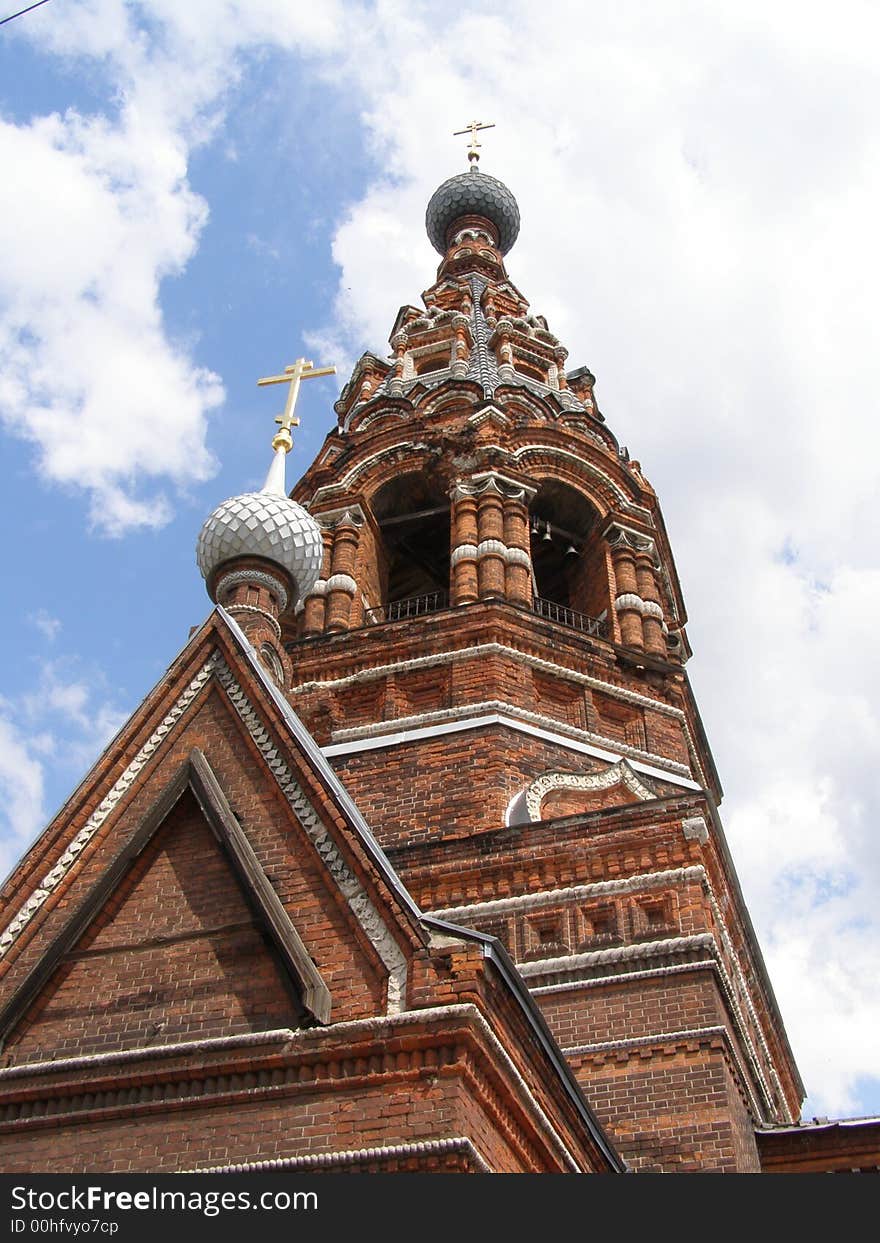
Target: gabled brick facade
(208, 962)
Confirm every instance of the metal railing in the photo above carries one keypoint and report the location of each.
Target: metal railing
(400, 610)
(434, 601)
(570, 617)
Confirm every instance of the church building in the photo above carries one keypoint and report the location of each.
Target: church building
(412, 861)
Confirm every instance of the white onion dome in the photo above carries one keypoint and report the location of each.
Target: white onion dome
(265, 524)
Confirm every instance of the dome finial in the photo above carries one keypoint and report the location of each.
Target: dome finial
(282, 441)
(266, 529)
(300, 370)
(474, 147)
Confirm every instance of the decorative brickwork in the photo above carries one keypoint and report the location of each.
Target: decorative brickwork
(207, 918)
(543, 911)
(531, 755)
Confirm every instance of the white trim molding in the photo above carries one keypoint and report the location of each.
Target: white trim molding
(54, 877)
(620, 773)
(454, 1145)
(342, 582)
(362, 908)
(480, 650)
(398, 730)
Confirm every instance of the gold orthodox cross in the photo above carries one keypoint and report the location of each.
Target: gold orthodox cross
(300, 370)
(472, 129)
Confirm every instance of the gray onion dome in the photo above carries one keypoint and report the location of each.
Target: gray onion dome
(472, 194)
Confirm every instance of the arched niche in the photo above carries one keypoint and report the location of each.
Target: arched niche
(569, 556)
(412, 513)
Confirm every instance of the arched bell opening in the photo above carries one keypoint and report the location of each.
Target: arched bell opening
(568, 557)
(412, 513)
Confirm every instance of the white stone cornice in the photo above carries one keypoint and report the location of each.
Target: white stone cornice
(495, 649)
(626, 977)
(629, 602)
(207, 1045)
(695, 829)
(494, 547)
(616, 533)
(350, 1157)
(489, 414)
(526, 902)
(530, 661)
(550, 666)
(510, 714)
(492, 481)
(566, 964)
(634, 1042)
(346, 515)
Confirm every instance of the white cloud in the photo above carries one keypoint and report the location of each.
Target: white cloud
(21, 790)
(89, 371)
(63, 722)
(48, 626)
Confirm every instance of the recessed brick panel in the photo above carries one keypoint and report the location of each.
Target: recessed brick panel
(175, 954)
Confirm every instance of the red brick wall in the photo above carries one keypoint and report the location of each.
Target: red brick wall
(175, 954)
(674, 1110)
(321, 1094)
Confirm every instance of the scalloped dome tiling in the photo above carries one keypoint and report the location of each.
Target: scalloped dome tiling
(472, 194)
(263, 524)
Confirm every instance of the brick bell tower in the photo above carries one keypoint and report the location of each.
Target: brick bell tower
(493, 660)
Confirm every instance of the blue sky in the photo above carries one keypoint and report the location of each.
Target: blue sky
(195, 195)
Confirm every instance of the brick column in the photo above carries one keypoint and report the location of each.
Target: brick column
(491, 548)
(652, 610)
(518, 573)
(399, 343)
(256, 592)
(628, 601)
(315, 607)
(562, 379)
(463, 530)
(341, 585)
(460, 352)
(504, 351)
